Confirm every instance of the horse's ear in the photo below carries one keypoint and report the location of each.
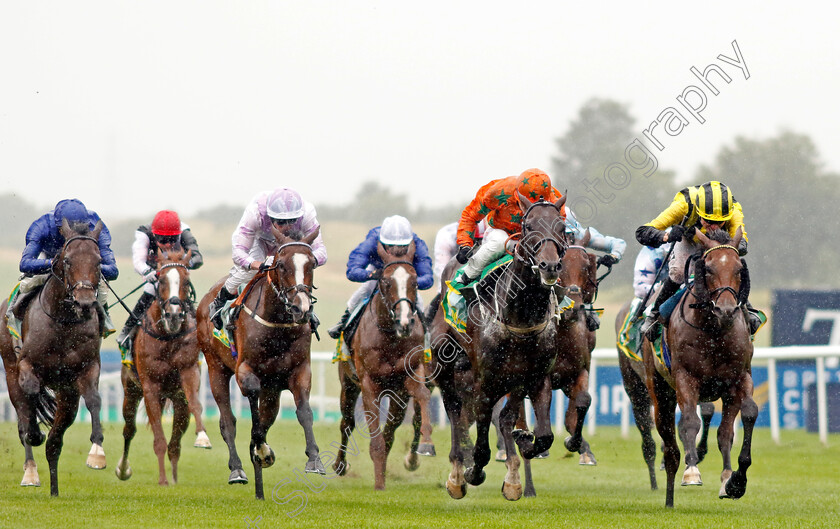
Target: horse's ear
(524, 203)
(278, 235)
(705, 241)
(560, 201)
(739, 234)
(409, 254)
(587, 236)
(65, 229)
(185, 260)
(700, 279)
(309, 239)
(380, 251)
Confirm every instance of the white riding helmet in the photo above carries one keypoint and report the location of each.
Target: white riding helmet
(284, 203)
(396, 230)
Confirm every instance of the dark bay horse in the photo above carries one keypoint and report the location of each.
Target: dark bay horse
(388, 360)
(633, 377)
(513, 345)
(711, 356)
(273, 339)
(60, 351)
(166, 356)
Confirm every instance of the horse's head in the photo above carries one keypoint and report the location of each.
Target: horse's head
(718, 275)
(579, 271)
(291, 273)
(543, 237)
(77, 266)
(173, 288)
(398, 287)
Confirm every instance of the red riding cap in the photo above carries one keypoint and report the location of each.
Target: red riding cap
(166, 222)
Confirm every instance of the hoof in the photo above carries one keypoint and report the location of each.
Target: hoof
(501, 455)
(474, 479)
(35, 439)
(315, 467)
(30, 476)
(511, 492)
(411, 462)
(341, 469)
(572, 445)
(691, 476)
(238, 476)
(736, 486)
(202, 441)
(123, 470)
(263, 456)
(456, 492)
(96, 458)
(520, 436)
(542, 455)
(588, 459)
(426, 449)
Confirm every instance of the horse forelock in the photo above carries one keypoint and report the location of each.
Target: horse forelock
(719, 235)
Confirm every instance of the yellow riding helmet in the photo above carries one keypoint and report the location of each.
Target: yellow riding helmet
(714, 202)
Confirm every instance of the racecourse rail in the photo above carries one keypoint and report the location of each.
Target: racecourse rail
(112, 394)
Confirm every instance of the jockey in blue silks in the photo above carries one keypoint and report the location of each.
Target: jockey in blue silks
(365, 266)
(44, 241)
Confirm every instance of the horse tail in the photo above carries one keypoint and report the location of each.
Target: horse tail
(433, 308)
(45, 408)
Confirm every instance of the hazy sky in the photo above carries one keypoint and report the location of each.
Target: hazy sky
(139, 106)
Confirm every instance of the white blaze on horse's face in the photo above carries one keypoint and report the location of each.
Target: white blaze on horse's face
(174, 279)
(171, 320)
(400, 277)
(300, 260)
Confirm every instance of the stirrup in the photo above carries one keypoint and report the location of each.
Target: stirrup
(651, 328)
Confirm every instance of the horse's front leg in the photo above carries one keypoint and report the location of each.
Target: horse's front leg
(300, 385)
(512, 486)
(378, 451)
(261, 454)
(21, 405)
(349, 395)
(67, 404)
(27, 418)
(664, 404)
(485, 400)
(88, 385)
(456, 486)
(190, 383)
(422, 397)
(689, 426)
(735, 486)
(132, 396)
(707, 411)
(180, 423)
(154, 410)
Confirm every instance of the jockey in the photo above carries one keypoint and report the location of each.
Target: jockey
(705, 207)
(496, 201)
(165, 232)
(446, 245)
(365, 266)
(44, 242)
(253, 241)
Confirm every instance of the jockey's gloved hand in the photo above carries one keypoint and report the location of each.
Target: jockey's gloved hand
(689, 233)
(676, 233)
(607, 260)
(150, 276)
(463, 254)
(264, 267)
(376, 274)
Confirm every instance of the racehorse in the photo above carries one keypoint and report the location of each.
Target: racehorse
(513, 346)
(273, 338)
(60, 351)
(388, 360)
(166, 356)
(711, 354)
(633, 377)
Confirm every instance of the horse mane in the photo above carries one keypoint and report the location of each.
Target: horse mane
(296, 234)
(719, 235)
(398, 250)
(80, 227)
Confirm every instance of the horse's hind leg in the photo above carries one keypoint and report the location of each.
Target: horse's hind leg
(65, 413)
(89, 388)
(485, 400)
(349, 395)
(260, 453)
(30, 469)
(133, 394)
(180, 423)
(454, 404)
(422, 398)
(21, 405)
(511, 486)
(640, 403)
(579, 402)
(27, 418)
(300, 386)
(501, 450)
(664, 404)
(220, 387)
(190, 382)
(707, 411)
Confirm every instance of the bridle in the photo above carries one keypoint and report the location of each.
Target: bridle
(70, 289)
(715, 294)
(531, 250)
(286, 295)
(392, 313)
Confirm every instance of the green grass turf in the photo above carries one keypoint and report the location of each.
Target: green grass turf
(790, 485)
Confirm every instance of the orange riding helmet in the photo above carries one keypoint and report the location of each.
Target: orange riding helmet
(533, 184)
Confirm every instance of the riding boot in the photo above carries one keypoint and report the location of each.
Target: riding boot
(134, 319)
(314, 322)
(650, 328)
(753, 319)
(216, 306)
(335, 330)
(593, 323)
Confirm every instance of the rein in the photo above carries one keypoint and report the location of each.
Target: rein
(68, 289)
(713, 295)
(391, 309)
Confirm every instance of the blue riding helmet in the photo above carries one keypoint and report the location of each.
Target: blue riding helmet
(71, 209)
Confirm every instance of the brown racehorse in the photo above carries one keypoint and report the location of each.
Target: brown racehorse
(166, 356)
(60, 349)
(273, 339)
(711, 354)
(388, 359)
(633, 377)
(513, 346)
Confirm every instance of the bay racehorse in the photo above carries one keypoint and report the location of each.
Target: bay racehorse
(60, 352)
(633, 377)
(513, 345)
(165, 353)
(710, 355)
(273, 338)
(387, 361)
